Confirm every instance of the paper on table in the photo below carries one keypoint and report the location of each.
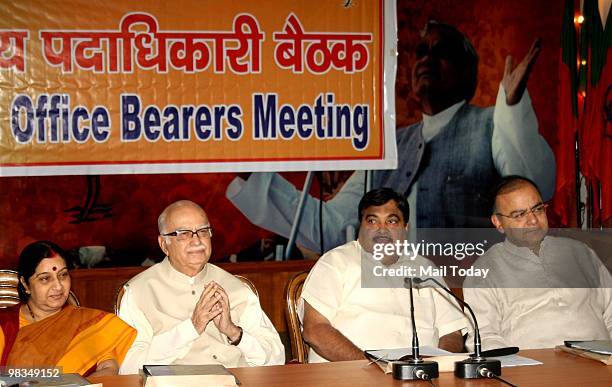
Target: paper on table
(71, 380)
(395, 353)
(516, 360)
(188, 375)
(603, 347)
(426, 350)
(445, 359)
(606, 359)
(190, 380)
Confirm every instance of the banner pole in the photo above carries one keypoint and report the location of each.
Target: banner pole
(298, 214)
(600, 205)
(578, 208)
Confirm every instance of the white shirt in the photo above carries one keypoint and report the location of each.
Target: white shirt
(159, 303)
(525, 300)
(375, 318)
(269, 201)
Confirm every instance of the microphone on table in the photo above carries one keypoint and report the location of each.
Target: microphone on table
(475, 366)
(414, 368)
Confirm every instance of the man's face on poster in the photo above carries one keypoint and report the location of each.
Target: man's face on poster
(437, 68)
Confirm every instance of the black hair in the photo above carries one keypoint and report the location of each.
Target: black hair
(470, 57)
(507, 184)
(30, 257)
(381, 196)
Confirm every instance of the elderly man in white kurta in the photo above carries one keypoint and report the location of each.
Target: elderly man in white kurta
(188, 311)
(541, 290)
(342, 317)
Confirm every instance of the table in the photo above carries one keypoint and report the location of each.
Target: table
(559, 369)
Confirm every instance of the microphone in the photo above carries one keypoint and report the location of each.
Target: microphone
(473, 366)
(415, 368)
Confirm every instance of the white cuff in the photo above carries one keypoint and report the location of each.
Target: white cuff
(520, 111)
(185, 334)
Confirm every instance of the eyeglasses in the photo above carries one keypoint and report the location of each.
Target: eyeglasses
(538, 209)
(181, 235)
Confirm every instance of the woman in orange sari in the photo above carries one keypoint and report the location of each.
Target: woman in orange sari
(45, 331)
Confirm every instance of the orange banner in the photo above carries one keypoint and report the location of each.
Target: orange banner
(196, 86)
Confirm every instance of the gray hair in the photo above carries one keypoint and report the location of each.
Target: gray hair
(470, 57)
(161, 220)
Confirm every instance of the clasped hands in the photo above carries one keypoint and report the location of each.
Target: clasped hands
(214, 306)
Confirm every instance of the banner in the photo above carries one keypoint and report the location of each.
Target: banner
(92, 87)
(596, 131)
(564, 200)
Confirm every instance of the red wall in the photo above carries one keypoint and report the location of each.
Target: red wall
(33, 208)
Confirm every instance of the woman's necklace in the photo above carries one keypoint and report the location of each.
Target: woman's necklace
(31, 313)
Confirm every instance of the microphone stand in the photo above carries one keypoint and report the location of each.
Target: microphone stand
(415, 368)
(476, 366)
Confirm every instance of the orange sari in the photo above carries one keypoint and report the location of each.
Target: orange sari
(76, 339)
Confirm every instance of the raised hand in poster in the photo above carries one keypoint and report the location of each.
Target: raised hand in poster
(515, 78)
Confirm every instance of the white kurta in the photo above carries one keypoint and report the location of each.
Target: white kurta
(159, 303)
(525, 300)
(376, 318)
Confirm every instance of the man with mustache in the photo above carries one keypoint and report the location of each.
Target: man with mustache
(541, 289)
(343, 316)
(442, 160)
(189, 311)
